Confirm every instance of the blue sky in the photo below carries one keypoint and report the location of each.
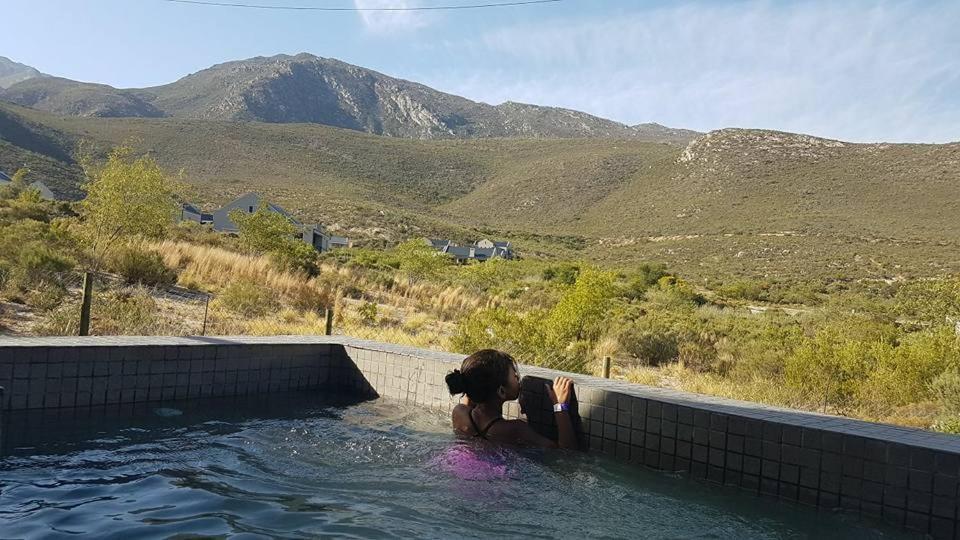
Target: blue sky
(852, 70)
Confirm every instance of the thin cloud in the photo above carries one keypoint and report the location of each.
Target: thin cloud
(854, 70)
(383, 22)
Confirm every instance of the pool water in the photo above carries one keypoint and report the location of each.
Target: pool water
(296, 466)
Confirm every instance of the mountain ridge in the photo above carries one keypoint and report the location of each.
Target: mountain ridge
(304, 88)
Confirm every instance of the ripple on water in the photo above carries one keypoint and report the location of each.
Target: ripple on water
(303, 468)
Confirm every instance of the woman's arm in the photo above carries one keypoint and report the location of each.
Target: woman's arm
(560, 393)
(524, 435)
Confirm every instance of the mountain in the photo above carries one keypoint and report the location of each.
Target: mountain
(13, 72)
(731, 202)
(654, 131)
(309, 89)
(68, 97)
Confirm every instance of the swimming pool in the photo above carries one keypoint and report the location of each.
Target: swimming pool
(296, 465)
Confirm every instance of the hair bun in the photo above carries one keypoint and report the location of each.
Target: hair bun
(456, 382)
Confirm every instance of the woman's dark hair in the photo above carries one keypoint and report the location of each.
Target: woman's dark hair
(481, 374)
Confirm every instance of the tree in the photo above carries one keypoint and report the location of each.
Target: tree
(126, 196)
(18, 184)
(265, 231)
(580, 312)
(420, 261)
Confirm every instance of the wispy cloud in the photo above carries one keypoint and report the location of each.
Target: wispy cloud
(383, 22)
(861, 71)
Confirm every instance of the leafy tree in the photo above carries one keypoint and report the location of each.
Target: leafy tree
(579, 313)
(265, 231)
(418, 260)
(126, 196)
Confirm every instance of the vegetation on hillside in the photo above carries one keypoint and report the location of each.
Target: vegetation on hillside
(747, 203)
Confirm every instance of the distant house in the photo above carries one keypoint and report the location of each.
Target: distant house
(248, 203)
(189, 212)
(313, 234)
(316, 237)
(339, 242)
(483, 250)
(45, 192)
(499, 249)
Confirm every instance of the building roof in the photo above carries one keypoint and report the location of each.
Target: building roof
(460, 252)
(270, 206)
(339, 240)
(187, 207)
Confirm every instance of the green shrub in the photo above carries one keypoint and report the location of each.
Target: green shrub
(933, 302)
(564, 274)
(296, 256)
(141, 266)
(746, 289)
(646, 275)
(368, 313)
(38, 262)
(950, 424)
(417, 260)
(946, 389)
(248, 299)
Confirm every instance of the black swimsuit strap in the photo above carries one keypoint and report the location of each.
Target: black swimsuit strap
(482, 433)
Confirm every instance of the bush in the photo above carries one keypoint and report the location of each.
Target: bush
(746, 289)
(46, 296)
(565, 274)
(647, 275)
(310, 298)
(112, 313)
(418, 260)
(140, 266)
(368, 313)
(946, 389)
(950, 424)
(37, 263)
(248, 299)
(6, 271)
(296, 256)
(125, 313)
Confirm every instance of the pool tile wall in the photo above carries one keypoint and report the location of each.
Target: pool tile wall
(47, 373)
(903, 476)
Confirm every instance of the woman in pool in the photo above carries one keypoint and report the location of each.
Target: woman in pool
(488, 378)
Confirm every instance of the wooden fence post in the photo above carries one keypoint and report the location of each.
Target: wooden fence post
(85, 304)
(606, 367)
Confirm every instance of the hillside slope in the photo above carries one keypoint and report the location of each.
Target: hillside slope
(734, 201)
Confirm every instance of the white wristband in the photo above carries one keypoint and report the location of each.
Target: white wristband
(560, 407)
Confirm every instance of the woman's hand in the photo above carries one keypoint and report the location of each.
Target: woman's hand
(561, 390)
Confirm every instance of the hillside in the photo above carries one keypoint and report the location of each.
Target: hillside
(13, 72)
(309, 89)
(745, 202)
(68, 97)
